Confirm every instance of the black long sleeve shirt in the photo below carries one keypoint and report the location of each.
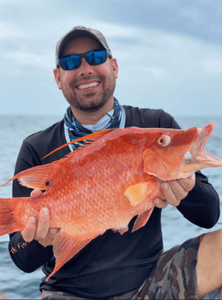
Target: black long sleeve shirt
(111, 264)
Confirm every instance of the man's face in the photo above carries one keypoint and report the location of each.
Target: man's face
(87, 88)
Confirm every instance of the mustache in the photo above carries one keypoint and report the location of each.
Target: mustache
(76, 81)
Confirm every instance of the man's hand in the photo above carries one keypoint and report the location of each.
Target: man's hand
(39, 230)
(174, 191)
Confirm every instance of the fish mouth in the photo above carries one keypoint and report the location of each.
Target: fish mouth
(173, 163)
(197, 158)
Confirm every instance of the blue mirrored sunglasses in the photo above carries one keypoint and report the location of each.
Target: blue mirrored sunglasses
(93, 58)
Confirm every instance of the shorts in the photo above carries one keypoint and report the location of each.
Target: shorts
(173, 277)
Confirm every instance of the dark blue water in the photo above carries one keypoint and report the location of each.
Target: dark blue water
(13, 129)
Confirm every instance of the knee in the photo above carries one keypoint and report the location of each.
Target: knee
(214, 238)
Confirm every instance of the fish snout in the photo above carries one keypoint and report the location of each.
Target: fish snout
(199, 158)
(203, 135)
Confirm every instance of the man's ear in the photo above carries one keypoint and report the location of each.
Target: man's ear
(57, 77)
(114, 66)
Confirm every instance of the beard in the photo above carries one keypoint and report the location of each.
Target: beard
(90, 102)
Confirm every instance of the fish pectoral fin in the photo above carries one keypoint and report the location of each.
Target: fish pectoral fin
(36, 178)
(138, 193)
(142, 219)
(65, 247)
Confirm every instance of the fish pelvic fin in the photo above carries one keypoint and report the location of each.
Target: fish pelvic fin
(65, 247)
(138, 193)
(142, 219)
(36, 178)
(89, 138)
(8, 221)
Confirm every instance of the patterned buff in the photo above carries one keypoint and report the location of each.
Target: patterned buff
(113, 119)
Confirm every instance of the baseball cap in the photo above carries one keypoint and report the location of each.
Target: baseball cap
(78, 32)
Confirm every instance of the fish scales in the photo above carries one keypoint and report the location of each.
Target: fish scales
(106, 183)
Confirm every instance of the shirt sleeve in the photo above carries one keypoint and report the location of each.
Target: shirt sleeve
(202, 205)
(27, 256)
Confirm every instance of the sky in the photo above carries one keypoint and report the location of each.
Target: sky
(169, 53)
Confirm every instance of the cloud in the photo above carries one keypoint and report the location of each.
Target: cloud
(28, 59)
(8, 31)
(165, 49)
(169, 56)
(212, 66)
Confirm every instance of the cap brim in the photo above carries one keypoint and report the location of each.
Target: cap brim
(73, 35)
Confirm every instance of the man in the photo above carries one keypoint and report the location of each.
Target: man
(122, 266)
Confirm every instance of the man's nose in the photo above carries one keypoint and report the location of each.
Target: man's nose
(85, 68)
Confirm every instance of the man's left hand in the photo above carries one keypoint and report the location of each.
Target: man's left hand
(174, 191)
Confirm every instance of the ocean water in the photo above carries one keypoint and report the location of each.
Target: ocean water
(16, 284)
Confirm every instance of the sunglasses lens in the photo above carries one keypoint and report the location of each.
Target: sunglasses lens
(96, 57)
(70, 62)
(73, 61)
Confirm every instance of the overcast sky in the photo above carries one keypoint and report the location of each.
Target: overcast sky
(169, 52)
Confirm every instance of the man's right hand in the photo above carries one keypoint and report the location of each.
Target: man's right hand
(39, 229)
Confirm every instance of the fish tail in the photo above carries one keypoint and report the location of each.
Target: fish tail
(8, 221)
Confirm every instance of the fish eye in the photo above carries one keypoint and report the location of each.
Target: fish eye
(164, 140)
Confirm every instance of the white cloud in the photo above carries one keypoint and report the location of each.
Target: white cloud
(111, 30)
(8, 31)
(152, 63)
(212, 66)
(24, 58)
(17, 64)
(168, 56)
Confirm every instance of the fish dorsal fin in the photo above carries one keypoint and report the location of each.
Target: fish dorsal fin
(90, 138)
(142, 219)
(36, 178)
(138, 193)
(65, 247)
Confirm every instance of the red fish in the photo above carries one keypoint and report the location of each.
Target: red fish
(106, 183)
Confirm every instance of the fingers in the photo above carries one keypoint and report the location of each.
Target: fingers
(48, 240)
(40, 230)
(188, 183)
(35, 194)
(37, 230)
(43, 224)
(174, 191)
(160, 203)
(29, 231)
(44, 234)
